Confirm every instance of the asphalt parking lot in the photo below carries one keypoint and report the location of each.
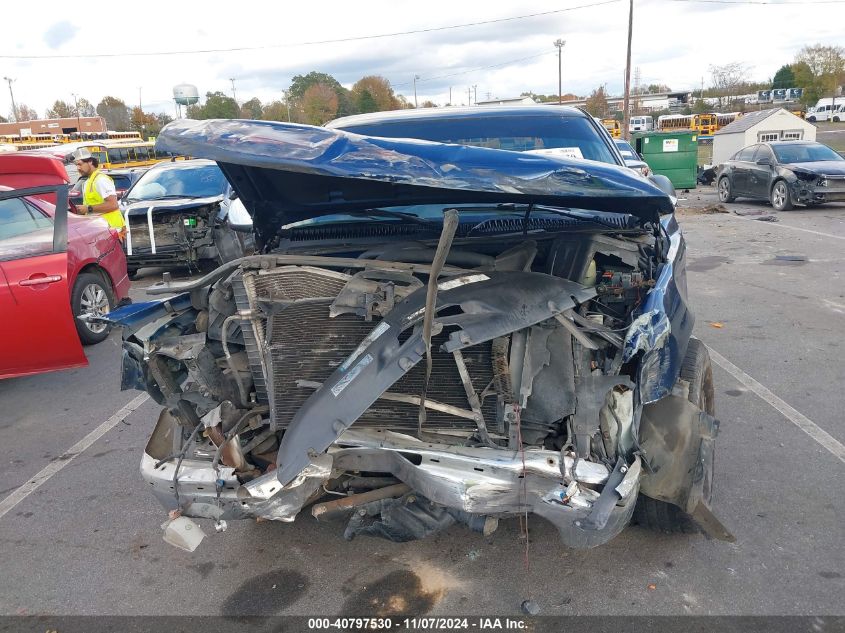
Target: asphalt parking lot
(769, 298)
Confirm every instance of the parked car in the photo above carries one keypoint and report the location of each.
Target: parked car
(632, 159)
(96, 276)
(177, 215)
(467, 333)
(123, 181)
(784, 172)
(55, 268)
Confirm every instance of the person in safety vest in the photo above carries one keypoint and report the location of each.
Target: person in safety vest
(98, 193)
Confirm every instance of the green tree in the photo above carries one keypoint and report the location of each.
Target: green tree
(366, 102)
(275, 111)
(85, 107)
(252, 109)
(115, 112)
(700, 107)
(784, 78)
(596, 103)
(219, 105)
(804, 79)
(380, 91)
(319, 104)
(826, 64)
(60, 110)
(300, 85)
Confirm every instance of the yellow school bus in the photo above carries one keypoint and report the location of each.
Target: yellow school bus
(612, 126)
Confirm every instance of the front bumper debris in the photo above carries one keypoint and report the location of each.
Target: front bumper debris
(471, 484)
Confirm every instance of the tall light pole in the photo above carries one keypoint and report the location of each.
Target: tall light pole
(234, 94)
(12, 95)
(76, 107)
(560, 44)
(626, 115)
(475, 93)
(415, 90)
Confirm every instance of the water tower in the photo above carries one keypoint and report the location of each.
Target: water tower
(185, 95)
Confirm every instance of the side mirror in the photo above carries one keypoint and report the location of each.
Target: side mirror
(764, 161)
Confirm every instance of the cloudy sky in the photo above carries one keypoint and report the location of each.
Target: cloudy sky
(675, 42)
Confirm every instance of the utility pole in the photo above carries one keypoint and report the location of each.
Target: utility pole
(76, 106)
(234, 94)
(469, 96)
(415, 90)
(475, 93)
(626, 115)
(12, 95)
(560, 44)
(287, 101)
(450, 95)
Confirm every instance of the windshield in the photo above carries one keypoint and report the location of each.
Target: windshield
(504, 132)
(193, 181)
(626, 150)
(805, 153)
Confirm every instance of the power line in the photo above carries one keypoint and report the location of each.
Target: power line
(313, 43)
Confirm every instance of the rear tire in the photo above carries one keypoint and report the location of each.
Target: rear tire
(666, 517)
(726, 190)
(91, 294)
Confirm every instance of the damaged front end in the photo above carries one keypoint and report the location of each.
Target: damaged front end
(410, 375)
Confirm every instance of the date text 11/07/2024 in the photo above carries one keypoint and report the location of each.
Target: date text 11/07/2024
(422, 624)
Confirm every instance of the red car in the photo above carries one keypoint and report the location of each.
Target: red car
(48, 256)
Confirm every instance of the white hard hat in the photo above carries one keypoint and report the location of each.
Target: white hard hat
(83, 153)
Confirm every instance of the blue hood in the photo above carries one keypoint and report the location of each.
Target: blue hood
(285, 172)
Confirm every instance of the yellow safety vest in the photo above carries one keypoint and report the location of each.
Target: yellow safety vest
(90, 196)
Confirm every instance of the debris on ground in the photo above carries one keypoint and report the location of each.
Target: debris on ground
(652, 586)
(758, 214)
(711, 209)
(791, 258)
(473, 554)
(717, 325)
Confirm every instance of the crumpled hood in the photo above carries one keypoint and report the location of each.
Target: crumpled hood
(820, 167)
(285, 172)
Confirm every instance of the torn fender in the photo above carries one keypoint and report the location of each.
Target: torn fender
(491, 304)
(678, 440)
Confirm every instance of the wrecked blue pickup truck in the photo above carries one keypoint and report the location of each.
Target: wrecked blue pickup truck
(430, 334)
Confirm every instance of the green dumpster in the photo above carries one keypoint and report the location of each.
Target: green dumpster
(672, 154)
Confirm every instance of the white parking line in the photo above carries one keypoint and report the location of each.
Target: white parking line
(798, 419)
(794, 228)
(69, 455)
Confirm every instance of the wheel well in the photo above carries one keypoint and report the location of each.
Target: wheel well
(100, 272)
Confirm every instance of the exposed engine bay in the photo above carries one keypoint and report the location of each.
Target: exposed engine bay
(505, 378)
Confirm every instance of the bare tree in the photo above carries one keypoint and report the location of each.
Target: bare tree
(727, 79)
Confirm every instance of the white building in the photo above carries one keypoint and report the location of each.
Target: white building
(775, 124)
(510, 101)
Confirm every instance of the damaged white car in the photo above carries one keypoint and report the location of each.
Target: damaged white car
(434, 334)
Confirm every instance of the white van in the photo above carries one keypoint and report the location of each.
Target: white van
(828, 109)
(641, 124)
